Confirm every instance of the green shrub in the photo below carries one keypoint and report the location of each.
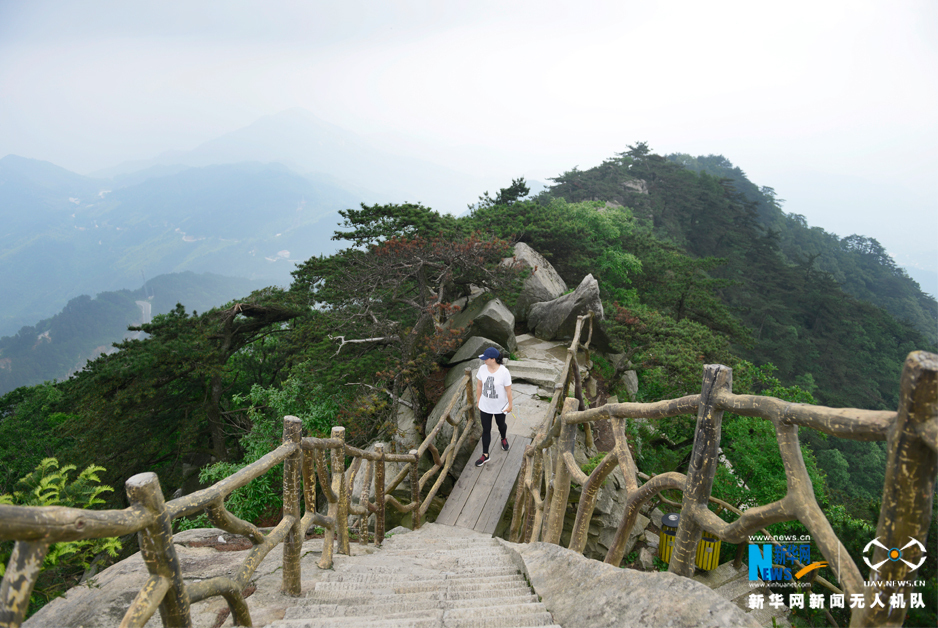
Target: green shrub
(65, 563)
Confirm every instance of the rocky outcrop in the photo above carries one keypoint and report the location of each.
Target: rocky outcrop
(203, 553)
(589, 594)
(629, 381)
(473, 348)
(557, 318)
(489, 319)
(543, 284)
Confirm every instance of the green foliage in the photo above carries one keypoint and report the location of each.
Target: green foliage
(393, 299)
(31, 423)
(158, 399)
(517, 191)
(590, 465)
(603, 367)
(750, 445)
(52, 485)
(265, 408)
(577, 238)
(374, 224)
(860, 265)
(710, 251)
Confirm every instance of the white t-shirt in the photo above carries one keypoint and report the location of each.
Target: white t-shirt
(494, 399)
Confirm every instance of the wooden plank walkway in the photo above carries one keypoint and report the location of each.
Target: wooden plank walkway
(481, 493)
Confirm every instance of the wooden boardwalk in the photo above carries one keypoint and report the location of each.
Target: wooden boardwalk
(481, 493)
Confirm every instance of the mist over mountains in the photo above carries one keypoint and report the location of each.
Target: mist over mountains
(249, 203)
(327, 153)
(69, 235)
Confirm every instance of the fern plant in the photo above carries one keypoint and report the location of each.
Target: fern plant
(51, 485)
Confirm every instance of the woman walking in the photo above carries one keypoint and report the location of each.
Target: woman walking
(493, 396)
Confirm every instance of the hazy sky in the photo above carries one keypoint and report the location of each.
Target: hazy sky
(832, 103)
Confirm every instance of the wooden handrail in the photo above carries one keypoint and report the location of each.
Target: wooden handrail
(35, 528)
(911, 434)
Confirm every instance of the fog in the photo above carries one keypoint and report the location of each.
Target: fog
(832, 103)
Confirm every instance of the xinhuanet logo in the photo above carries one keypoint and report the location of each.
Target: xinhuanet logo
(770, 563)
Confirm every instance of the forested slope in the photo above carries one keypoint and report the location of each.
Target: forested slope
(56, 347)
(811, 304)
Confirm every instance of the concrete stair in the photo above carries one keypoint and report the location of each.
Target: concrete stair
(734, 585)
(441, 579)
(538, 372)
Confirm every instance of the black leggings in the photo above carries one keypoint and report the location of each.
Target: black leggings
(487, 428)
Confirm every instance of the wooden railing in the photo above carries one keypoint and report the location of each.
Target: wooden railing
(909, 489)
(35, 529)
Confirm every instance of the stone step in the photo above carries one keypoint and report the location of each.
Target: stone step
(723, 574)
(365, 582)
(480, 593)
(325, 598)
(513, 605)
(503, 610)
(485, 601)
(416, 619)
(482, 572)
(539, 374)
(735, 589)
(462, 574)
(485, 618)
(734, 585)
(371, 608)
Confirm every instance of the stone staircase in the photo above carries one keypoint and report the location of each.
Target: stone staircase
(437, 577)
(733, 585)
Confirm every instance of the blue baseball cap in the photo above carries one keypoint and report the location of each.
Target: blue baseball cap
(491, 352)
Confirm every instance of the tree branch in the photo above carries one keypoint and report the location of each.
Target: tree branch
(385, 391)
(382, 340)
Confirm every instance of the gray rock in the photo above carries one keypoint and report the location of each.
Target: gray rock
(543, 284)
(557, 318)
(646, 559)
(473, 348)
(651, 539)
(489, 319)
(629, 381)
(591, 389)
(605, 596)
(102, 602)
(497, 322)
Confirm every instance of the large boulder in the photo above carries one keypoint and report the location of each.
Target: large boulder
(557, 319)
(490, 319)
(590, 594)
(543, 284)
(473, 348)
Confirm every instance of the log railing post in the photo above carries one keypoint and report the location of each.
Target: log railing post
(338, 487)
(19, 581)
(293, 543)
(379, 495)
(908, 492)
(157, 549)
(558, 507)
(415, 488)
(702, 468)
(363, 502)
